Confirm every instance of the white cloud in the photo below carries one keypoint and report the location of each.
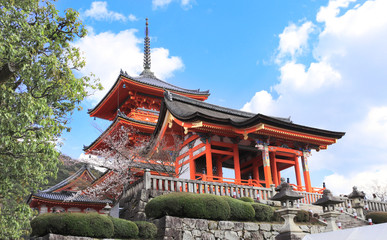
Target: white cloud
(262, 102)
(106, 53)
(132, 18)
(295, 77)
(100, 12)
(294, 39)
(160, 3)
(343, 88)
(363, 179)
(185, 4)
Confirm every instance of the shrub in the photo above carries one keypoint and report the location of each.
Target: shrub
(239, 210)
(246, 199)
(74, 224)
(189, 205)
(146, 229)
(377, 217)
(124, 228)
(40, 224)
(302, 216)
(263, 212)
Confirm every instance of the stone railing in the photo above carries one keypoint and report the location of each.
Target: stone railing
(133, 188)
(371, 204)
(376, 205)
(171, 184)
(161, 183)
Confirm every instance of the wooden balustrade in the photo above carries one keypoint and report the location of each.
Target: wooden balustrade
(161, 183)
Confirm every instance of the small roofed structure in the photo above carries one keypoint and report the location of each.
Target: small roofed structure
(286, 195)
(328, 201)
(357, 199)
(55, 198)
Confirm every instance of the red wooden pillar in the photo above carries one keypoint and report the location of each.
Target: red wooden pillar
(209, 160)
(255, 170)
(266, 166)
(274, 168)
(237, 167)
(279, 176)
(305, 167)
(297, 170)
(219, 169)
(192, 166)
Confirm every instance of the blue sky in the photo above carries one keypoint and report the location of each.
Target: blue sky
(321, 62)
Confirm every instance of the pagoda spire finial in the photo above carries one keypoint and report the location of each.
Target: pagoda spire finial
(147, 54)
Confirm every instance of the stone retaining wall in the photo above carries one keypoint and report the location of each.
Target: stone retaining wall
(174, 228)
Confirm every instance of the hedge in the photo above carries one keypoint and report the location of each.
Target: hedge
(246, 199)
(239, 210)
(74, 224)
(146, 229)
(124, 228)
(263, 212)
(302, 216)
(377, 217)
(205, 206)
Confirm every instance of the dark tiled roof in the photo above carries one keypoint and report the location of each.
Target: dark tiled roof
(190, 110)
(151, 81)
(69, 179)
(64, 196)
(154, 81)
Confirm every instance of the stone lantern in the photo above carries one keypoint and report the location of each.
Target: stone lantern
(357, 198)
(287, 197)
(107, 209)
(328, 202)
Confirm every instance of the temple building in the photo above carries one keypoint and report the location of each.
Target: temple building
(256, 147)
(56, 198)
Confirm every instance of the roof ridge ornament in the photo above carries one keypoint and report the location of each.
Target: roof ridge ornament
(147, 54)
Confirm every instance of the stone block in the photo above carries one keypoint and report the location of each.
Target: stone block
(304, 228)
(188, 224)
(276, 227)
(225, 225)
(218, 233)
(187, 235)
(172, 232)
(265, 227)
(212, 225)
(246, 234)
(238, 226)
(267, 235)
(144, 195)
(196, 233)
(239, 233)
(256, 235)
(202, 224)
(251, 226)
(208, 236)
(173, 222)
(231, 235)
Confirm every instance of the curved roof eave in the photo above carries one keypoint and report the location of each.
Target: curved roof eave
(248, 119)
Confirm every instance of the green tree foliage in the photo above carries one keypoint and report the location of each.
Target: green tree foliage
(38, 91)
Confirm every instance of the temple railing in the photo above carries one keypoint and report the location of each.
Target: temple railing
(171, 184)
(370, 205)
(376, 205)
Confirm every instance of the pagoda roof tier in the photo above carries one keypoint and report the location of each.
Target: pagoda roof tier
(82, 176)
(193, 115)
(65, 189)
(64, 196)
(126, 89)
(144, 127)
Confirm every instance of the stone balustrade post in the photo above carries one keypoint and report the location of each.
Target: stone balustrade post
(147, 179)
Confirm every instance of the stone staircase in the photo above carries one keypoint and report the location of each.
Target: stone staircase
(349, 221)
